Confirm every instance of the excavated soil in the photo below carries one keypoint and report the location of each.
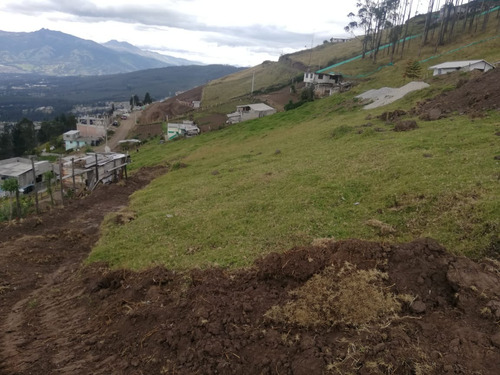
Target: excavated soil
(471, 95)
(345, 307)
(59, 316)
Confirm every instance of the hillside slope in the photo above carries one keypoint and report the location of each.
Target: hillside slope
(328, 239)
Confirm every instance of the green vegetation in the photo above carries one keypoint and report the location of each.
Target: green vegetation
(284, 180)
(318, 171)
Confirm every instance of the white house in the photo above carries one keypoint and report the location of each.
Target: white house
(467, 66)
(249, 112)
(186, 129)
(324, 84)
(73, 140)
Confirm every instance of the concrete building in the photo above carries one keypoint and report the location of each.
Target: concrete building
(249, 112)
(466, 66)
(21, 169)
(325, 84)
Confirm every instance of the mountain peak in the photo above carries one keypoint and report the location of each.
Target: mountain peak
(55, 53)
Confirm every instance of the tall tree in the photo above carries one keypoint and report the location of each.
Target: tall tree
(23, 137)
(6, 147)
(428, 20)
(147, 99)
(407, 25)
(362, 19)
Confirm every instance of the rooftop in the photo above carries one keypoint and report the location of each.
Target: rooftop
(456, 64)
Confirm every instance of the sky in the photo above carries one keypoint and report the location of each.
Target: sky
(234, 32)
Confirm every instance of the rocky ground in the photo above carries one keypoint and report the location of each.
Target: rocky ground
(345, 307)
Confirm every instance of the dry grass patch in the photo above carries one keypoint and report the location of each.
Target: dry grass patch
(339, 297)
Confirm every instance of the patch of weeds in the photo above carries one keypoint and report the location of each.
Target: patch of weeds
(3, 289)
(326, 299)
(341, 131)
(177, 165)
(32, 303)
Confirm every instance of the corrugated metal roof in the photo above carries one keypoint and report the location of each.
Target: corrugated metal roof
(17, 167)
(456, 64)
(257, 106)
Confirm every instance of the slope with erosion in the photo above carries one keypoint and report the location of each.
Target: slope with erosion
(244, 196)
(271, 82)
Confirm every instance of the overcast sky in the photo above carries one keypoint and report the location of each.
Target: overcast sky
(243, 33)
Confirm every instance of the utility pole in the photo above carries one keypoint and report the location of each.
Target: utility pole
(73, 173)
(61, 179)
(96, 170)
(34, 183)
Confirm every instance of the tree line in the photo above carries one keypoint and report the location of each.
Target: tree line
(388, 21)
(23, 139)
(136, 102)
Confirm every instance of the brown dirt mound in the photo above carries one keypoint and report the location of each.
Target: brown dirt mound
(472, 96)
(443, 315)
(176, 106)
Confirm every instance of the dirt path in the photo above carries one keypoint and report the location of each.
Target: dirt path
(121, 133)
(38, 258)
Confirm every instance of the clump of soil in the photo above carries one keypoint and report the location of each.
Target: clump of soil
(336, 307)
(392, 116)
(405, 125)
(472, 97)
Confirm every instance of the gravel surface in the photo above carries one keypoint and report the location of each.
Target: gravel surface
(387, 95)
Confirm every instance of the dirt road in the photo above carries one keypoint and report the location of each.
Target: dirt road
(121, 132)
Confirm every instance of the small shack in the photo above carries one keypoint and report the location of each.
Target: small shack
(467, 66)
(185, 129)
(250, 112)
(93, 168)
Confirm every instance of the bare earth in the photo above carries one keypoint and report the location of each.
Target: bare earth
(300, 312)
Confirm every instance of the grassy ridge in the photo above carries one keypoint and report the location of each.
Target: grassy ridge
(282, 181)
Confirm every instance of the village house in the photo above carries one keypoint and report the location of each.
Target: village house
(450, 10)
(339, 40)
(184, 129)
(92, 127)
(90, 131)
(467, 66)
(249, 112)
(73, 140)
(325, 84)
(21, 169)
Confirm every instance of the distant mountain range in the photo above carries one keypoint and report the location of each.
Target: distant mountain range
(55, 53)
(21, 95)
(129, 48)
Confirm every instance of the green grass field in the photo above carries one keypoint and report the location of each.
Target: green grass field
(317, 172)
(282, 181)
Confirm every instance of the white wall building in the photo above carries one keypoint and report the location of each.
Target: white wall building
(467, 66)
(249, 112)
(324, 83)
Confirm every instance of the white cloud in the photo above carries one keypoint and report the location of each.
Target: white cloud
(218, 31)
